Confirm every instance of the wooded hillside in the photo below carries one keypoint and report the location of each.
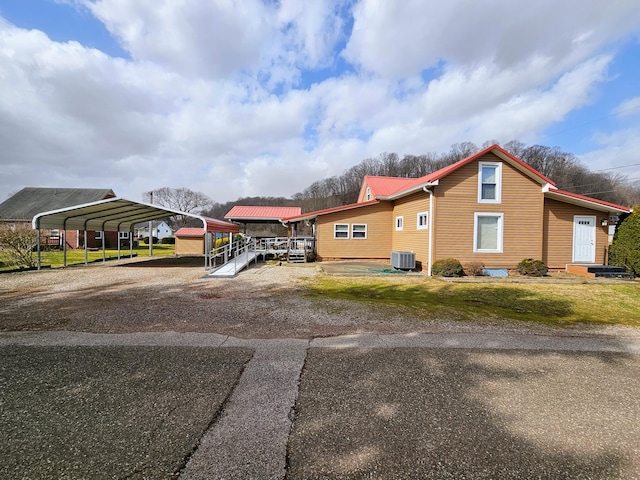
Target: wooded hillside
(562, 167)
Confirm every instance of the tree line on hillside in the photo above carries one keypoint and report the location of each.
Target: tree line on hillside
(562, 167)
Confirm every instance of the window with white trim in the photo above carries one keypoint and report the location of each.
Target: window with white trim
(400, 223)
(490, 182)
(124, 235)
(340, 230)
(99, 235)
(422, 221)
(488, 232)
(359, 231)
(368, 193)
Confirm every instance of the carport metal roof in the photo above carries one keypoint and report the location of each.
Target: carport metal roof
(118, 215)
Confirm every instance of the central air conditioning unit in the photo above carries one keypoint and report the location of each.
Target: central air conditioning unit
(403, 260)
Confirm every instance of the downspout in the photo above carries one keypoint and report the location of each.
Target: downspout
(430, 260)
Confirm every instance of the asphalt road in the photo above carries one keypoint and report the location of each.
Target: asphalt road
(76, 405)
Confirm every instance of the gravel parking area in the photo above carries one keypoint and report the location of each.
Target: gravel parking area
(434, 413)
(173, 294)
(109, 412)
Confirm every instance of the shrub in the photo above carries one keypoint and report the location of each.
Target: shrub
(625, 249)
(168, 241)
(474, 269)
(18, 244)
(447, 267)
(532, 268)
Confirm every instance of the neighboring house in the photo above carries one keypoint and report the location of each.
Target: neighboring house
(19, 210)
(159, 230)
(491, 208)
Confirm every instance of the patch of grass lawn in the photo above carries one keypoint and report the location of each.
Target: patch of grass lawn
(55, 258)
(547, 303)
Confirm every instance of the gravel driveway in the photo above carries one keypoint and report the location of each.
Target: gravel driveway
(173, 294)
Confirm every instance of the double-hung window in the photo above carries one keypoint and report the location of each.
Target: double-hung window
(490, 182)
(399, 223)
(359, 231)
(488, 232)
(341, 230)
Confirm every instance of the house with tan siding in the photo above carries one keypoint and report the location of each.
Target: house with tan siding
(491, 208)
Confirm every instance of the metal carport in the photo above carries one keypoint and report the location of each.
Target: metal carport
(118, 215)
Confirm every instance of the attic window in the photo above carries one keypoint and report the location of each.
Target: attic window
(490, 182)
(368, 194)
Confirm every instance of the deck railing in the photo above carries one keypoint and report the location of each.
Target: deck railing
(299, 247)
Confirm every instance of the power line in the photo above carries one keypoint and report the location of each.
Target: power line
(614, 168)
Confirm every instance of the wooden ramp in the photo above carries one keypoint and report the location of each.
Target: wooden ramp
(235, 265)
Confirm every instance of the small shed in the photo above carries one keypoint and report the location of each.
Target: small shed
(190, 241)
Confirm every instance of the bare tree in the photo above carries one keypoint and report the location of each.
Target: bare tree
(181, 199)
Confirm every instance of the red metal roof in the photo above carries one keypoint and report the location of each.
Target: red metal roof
(588, 200)
(220, 226)
(383, 186)
(190, 232)
(248, 212)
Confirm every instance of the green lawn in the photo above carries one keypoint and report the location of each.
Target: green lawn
(546, 302)
(54, 258)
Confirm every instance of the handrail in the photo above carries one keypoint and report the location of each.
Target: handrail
(230, 252)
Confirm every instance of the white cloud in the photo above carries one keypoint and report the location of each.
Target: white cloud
(212, 98)
(212, 39)
(399, 39)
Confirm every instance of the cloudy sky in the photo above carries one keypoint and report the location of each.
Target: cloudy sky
(262, 97)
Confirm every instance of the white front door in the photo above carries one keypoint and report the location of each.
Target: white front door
(584, 239)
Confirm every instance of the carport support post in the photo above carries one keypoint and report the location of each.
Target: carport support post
(86, 249)
(64, 244)
(207, 248)
(150, 239)
(38, 244)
